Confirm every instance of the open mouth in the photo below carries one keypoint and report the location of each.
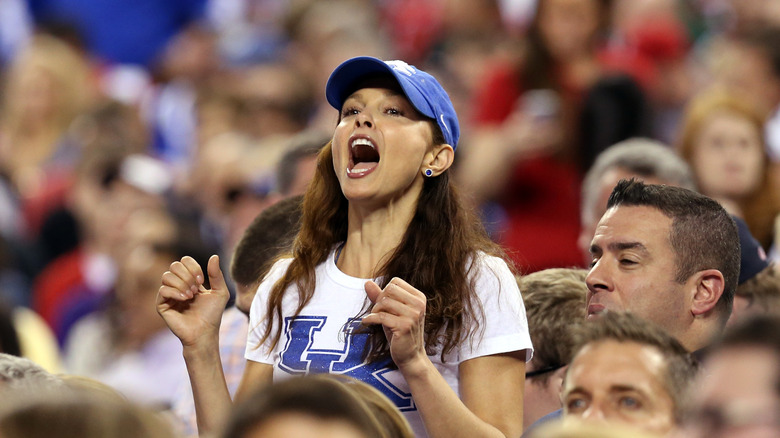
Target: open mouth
(363, 156)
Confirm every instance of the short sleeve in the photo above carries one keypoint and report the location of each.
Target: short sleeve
(503, 327)
(257, 321)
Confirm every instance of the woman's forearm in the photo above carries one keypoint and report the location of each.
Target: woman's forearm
(446, 415)
(209, 390)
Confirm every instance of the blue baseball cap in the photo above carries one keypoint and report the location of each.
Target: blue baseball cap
(752, 257)
(423, 90)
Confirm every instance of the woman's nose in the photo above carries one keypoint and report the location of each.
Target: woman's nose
(364, 120)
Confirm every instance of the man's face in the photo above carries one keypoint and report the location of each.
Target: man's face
(619, 382)
(633, 268)
(737, 395)
(608, 181)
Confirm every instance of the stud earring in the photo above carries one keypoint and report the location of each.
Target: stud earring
(428, 173)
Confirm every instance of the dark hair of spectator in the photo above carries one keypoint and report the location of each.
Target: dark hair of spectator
(270, 234)
(703, 235)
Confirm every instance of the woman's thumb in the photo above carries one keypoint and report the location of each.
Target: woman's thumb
(372, 291)
(216, 279)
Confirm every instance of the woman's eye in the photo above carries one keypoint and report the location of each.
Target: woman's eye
(627, 262)
(630, 403)
(349, 111)
(394, 111)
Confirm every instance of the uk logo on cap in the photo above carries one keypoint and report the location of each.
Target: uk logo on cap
(401, 66)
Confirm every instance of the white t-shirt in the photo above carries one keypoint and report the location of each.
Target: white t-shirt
(317, 341)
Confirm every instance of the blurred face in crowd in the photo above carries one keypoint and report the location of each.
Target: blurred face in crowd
(136, 290)
(748, 14)
(619, 382)
(145, 227)
(750, 74)
(633, 268)
(728, 156)
(737, 396)
(568, 27)
(295, 425)
(271, 94)
(37, 94)
(304, 173)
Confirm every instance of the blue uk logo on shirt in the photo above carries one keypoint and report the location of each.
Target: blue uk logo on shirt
(301, 355)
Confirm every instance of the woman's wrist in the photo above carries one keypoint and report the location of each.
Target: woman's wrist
(204, 350)
(416, 368)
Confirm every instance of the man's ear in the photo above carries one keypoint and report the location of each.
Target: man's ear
(439, 159)
(558, 377)
(709, 285)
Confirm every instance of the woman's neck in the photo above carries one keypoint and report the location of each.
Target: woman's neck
(372, 237)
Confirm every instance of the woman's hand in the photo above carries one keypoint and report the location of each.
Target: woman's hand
(192, 312)
(400, 309)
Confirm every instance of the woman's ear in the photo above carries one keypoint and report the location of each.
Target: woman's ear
(438, 160)
(710, 285)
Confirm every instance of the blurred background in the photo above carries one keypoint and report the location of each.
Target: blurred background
(133, 132)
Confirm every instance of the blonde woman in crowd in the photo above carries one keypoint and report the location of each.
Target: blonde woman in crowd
(722, 138)
(46, 88)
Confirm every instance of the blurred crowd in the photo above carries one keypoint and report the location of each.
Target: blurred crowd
(133, 133)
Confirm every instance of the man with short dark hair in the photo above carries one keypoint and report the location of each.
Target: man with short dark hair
(630, 371)
(669, 255)
(648, 160)
(269, 235)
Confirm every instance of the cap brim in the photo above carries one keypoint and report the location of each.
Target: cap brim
(343, 79)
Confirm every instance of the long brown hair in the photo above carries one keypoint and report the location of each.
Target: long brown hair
(437, 255)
